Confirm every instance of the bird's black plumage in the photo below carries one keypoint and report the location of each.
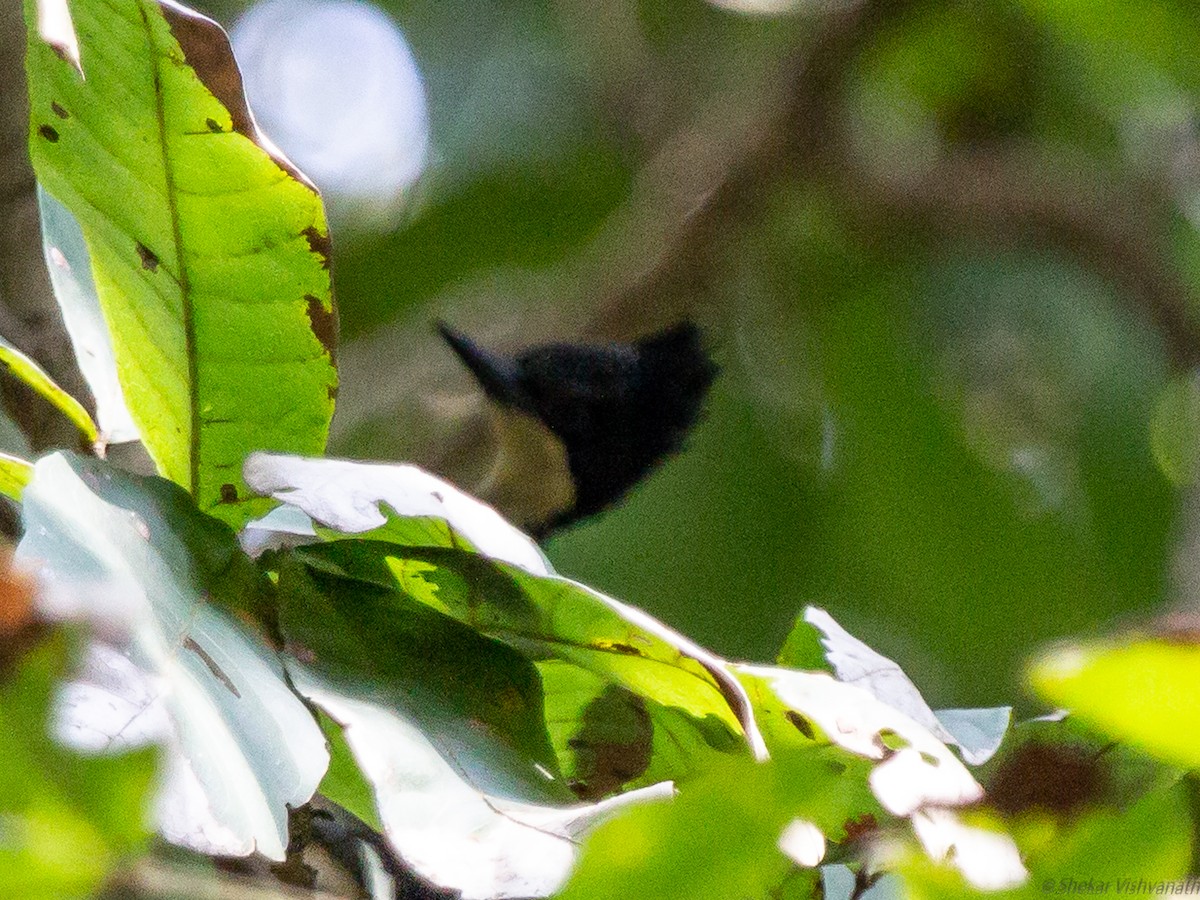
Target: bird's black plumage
(619, 409)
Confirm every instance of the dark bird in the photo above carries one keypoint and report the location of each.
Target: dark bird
(617, 409)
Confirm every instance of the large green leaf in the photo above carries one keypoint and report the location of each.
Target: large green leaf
(548, 619)
(68, 819)
(447, 550)
(476, 699)
(173, 667)
(209, 254)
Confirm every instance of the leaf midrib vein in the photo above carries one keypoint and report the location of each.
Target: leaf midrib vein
(189, 321)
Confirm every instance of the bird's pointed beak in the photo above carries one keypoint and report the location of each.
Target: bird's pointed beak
(497, 375)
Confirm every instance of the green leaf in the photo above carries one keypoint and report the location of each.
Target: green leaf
(26, 370)
(400, 504)
(68, 819)
(15, 474)
(476, 699)
(215, 282)
(1140, 691)
(447, 550)
(977, 733)
(547, 618)
(719, 838)
(344, 782)
(1175, 430)
(174, 666)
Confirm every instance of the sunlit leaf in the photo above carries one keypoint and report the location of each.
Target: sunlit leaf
(977, 733)
(401, 504)
(26, 370)
(15, 474)
(210, 255)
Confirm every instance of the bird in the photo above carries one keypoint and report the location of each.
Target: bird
(616, 410)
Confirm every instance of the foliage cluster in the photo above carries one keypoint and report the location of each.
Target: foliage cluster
(208, 648)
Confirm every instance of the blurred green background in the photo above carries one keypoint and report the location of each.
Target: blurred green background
(945, 253)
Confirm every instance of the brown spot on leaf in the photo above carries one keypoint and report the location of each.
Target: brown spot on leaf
(59, 111)
(206, 49)
(228, 493)
(190, 644)
(613, 744)
(214, 126)
(802, 724)
(323, 323)
(146, 255)
(48, 133)
(615, 647)
(319, 244)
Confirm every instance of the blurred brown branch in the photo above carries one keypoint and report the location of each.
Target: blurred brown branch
(29, 316)
(1101, 219)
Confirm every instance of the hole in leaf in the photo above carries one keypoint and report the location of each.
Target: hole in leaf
(48, 133)
(891, 740)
